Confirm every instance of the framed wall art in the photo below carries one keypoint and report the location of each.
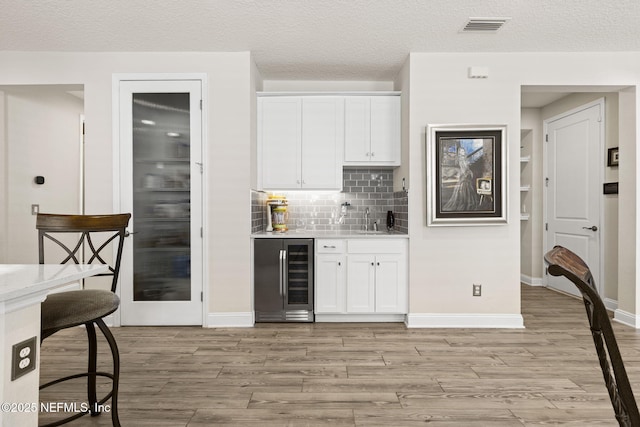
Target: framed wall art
(466, 175)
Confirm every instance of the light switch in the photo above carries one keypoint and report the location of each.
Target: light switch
(35, 209)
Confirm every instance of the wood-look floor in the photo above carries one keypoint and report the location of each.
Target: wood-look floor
(358, 374)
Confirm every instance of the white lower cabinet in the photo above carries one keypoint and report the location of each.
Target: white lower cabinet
(361, 284)
(331, 271)
(361, 279)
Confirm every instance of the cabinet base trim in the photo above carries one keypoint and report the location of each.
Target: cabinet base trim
(353, 317)
(427, 320)
(230, 320)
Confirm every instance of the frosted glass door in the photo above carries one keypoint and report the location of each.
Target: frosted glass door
(162, 146)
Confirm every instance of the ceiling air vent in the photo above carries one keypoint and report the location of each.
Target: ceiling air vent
(484, 25)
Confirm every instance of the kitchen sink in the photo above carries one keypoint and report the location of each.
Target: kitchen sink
(371, 232)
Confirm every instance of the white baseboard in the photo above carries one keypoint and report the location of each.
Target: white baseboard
(610, 304)
(426, 320)
(531, 281)
(364, 318)
(626, 318)
(230, 320)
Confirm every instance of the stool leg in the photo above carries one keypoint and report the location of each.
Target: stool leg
(92, 368)
(116, 370)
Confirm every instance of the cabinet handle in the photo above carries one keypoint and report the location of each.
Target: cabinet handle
(329, 247)
(339, 263)
(373, 154)
(378, 264)
(372, 264)
(298, 181)
(368, 154)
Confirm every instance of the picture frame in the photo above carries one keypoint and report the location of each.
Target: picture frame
(466, 175)
(612, 157)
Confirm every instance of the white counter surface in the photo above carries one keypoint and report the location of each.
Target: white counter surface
(21, 280)
(315, 234)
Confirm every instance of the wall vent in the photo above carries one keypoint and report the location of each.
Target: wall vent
(484, 25)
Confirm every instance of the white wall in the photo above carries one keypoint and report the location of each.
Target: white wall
(446, 261)
(628, 239)
(325, 86)
(228, 141)
(43, 138)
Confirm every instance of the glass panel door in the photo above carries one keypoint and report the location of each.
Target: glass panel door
(161, 201)
(299, 289)
(160, 172)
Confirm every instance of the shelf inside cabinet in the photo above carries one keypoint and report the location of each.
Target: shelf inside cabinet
(163, 160)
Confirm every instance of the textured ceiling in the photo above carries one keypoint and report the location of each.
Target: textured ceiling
(318, 39)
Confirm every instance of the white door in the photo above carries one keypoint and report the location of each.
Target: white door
(574, 187)
(385, 129)
(391, 294)
(279, 140)
(160, 128)
(322, 140)
(330, 283)
(357, 129)
(361, 276)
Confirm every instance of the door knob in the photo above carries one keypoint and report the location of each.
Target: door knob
(592, 228)
(127, 233)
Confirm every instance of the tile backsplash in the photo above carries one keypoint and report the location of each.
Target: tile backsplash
(363, 188)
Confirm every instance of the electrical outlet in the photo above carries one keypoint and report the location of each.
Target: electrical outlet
(477, 290)
(23, 358)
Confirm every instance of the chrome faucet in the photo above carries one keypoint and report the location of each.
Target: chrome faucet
(366, 219)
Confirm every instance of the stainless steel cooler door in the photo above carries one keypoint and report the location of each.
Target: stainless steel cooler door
(268, 257)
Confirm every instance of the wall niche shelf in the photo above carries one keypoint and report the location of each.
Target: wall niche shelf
(525, 178)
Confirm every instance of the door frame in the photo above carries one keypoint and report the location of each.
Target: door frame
(117, 173)
(601, 173)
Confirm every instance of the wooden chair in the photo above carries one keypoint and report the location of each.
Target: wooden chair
(563, 262)
(87, 306)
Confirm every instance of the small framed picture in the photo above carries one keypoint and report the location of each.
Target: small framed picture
(612, 157)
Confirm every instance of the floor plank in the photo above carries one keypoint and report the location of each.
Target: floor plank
(355, 374)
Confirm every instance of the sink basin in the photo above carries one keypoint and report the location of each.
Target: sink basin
(371, 232)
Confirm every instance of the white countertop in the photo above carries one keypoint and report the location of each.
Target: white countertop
(21, 280)
(316, 234)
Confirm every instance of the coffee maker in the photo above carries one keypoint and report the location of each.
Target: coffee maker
(277, 213)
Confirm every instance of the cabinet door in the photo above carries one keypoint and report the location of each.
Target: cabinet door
(385, 130)
(279, 139)
(330, 283)
(361, 284)
(391, 284)
(357, 129)
(322, 140)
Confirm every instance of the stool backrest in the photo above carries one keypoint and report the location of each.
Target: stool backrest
(95, 233)
(562, 262)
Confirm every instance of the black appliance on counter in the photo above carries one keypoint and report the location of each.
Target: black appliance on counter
(283, 280)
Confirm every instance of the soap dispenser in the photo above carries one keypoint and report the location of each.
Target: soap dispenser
(391, 220)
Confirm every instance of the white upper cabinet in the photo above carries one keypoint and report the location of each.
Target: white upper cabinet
(322, 142)
(372, 130)
(300, 142)
(279, 138)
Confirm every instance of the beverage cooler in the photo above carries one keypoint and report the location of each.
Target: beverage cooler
(283, 280)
